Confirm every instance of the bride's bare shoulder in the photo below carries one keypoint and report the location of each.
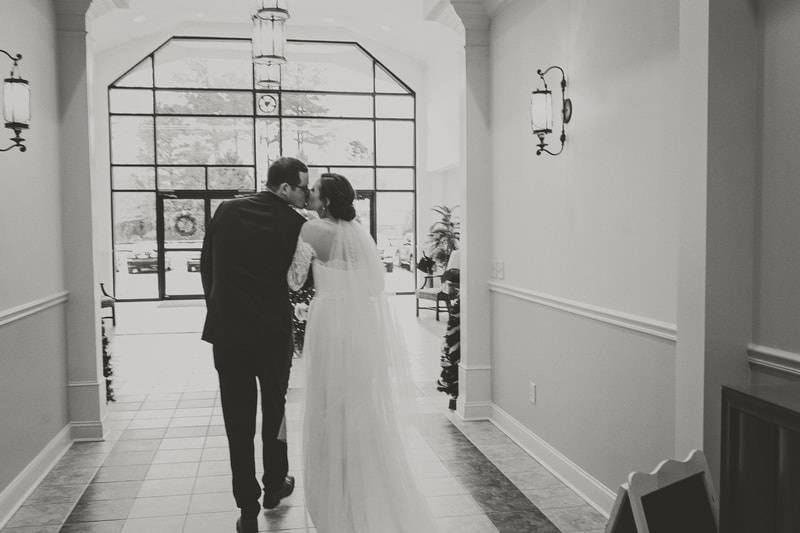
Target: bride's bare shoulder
(318, 233)
(317, 227)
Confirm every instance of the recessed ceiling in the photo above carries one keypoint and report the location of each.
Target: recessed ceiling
(398, 24)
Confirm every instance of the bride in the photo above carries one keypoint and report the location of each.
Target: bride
(356, 476)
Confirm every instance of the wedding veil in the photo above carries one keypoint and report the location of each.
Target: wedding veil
(358, 387)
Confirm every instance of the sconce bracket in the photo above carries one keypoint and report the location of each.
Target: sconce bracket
(16, 59)
(566, 111)
(17, 139)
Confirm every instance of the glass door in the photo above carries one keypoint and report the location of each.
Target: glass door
(182, 220)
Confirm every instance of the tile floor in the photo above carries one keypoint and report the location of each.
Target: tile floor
(164, 466)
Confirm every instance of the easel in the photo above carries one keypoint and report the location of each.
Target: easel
(678, 496)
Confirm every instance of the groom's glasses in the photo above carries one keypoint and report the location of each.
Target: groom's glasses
(303, 188)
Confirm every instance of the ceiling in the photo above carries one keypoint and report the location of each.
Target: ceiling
(397, 24)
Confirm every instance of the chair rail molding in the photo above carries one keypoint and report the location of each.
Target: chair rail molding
(648, 326)
(470, 368)
(774, 358)
(31, 308)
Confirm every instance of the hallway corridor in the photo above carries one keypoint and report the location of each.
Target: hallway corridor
(164, 467)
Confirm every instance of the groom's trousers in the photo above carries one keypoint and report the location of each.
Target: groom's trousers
(238, 374)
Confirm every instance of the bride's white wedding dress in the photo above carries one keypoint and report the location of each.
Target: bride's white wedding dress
(356, 476)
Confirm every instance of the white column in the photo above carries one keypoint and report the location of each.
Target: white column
(475, 370)
(691, 307)
(721, 155)
(85, 381)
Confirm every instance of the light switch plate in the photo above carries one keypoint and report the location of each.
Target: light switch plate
(498, 269)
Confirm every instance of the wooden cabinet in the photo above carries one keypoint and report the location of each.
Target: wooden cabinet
(760, 478)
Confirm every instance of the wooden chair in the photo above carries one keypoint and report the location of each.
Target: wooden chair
(107, 302)
(678, 496)
(431, 289)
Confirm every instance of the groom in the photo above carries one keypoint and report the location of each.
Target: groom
(247, 250)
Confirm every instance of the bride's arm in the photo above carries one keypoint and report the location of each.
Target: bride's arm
(301, 263)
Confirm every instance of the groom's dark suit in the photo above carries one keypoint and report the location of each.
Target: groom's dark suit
(247, 251)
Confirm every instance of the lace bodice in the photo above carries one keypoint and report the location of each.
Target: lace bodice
(301, 263)
(330, 277)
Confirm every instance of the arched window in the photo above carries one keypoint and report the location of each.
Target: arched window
(188, 129)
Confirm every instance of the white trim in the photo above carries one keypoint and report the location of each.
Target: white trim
(27, 309)
(584, 484)
(474, 367)
(15, 494)
(91, 431)
(648, 326)
(83, 384)
(774, 358)
(474, 411)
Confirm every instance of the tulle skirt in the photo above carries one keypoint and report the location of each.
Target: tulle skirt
(356, 475)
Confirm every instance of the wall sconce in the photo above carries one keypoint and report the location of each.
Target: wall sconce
(16, 104)
(542, 111)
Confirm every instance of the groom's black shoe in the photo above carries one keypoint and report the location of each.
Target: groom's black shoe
(247, 524)
(271, 500)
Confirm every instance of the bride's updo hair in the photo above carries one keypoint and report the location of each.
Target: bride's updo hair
(340, 194)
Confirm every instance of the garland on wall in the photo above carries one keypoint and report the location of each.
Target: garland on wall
(107, 371)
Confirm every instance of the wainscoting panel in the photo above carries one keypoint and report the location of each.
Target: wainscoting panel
(605, 392)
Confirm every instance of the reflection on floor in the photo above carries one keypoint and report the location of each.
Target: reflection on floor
(164, 467)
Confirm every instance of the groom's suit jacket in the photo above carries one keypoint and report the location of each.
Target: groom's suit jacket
(247, 250)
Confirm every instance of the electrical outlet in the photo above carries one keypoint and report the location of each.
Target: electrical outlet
(532, 392)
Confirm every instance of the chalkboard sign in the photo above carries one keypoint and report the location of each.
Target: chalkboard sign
(678, 496)
(621, 519)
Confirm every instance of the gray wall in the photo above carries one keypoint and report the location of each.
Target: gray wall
(777, 303)
(33, 402)
(733, 155)
(604, 394)
(597, 225)
(33, 398)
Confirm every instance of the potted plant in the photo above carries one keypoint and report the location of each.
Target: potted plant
(443, 235)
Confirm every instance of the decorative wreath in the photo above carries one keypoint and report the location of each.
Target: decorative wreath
(185, 224)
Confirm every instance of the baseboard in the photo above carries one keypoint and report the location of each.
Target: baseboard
(15, 494)
(587, 487)
(88, 431)
(474, 411)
